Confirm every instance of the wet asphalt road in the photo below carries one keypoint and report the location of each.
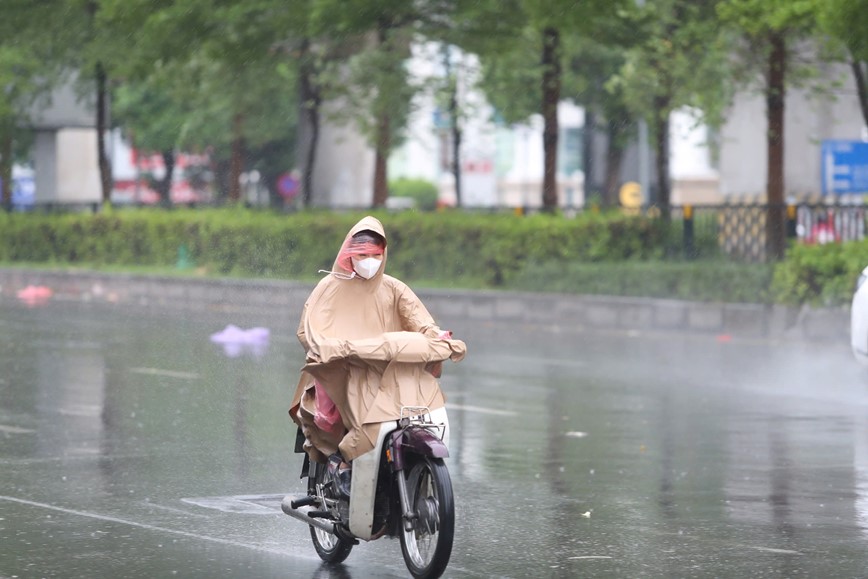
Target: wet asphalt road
(131, 446)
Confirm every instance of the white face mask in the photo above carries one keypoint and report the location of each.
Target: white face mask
(367, 267)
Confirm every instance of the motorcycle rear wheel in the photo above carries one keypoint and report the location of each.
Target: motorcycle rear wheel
(428, 546)
(330, 548)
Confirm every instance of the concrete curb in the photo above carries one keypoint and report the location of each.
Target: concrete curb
(575, 311)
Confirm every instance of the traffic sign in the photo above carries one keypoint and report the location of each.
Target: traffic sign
(288, 186)
(630, 195)
(844, 167)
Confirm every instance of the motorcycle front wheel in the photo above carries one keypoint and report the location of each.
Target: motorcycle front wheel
(330, 548)
(428, 546)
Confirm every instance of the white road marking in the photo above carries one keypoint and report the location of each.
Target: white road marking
(479, 409)
(86, 410)
(14, 429)
(245, 504)
(771, 550)
(166, 373)
(591, 557)
(145, 526)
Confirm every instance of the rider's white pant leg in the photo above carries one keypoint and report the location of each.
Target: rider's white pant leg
(439, 416)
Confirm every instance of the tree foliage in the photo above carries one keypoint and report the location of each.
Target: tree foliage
(218, 76)
(235, 77)
(837, 18)
(679, 59)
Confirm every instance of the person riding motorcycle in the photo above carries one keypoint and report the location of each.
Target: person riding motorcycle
(372, 348)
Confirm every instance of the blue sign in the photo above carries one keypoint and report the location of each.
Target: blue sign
(287, 186)
(23, 192)
(844, 167)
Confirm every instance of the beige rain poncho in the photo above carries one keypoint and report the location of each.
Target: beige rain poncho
(373, 347)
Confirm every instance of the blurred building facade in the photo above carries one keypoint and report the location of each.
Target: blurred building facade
(64, 159)
(501, 165)
(706, 167)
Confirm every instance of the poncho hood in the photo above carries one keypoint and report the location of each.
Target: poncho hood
(368, 223)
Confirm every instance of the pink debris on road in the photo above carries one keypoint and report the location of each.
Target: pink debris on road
(35, 294)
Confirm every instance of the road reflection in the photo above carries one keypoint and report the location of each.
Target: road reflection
(572, 454)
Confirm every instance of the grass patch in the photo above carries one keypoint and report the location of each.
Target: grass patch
(696, 281)
(705, 281)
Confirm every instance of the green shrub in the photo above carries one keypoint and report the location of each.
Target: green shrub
(423, 192)
(821, 275)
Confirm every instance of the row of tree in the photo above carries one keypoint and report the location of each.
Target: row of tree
(252, 80)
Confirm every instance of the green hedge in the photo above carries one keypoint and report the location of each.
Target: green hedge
(598, 253)
(446, 245)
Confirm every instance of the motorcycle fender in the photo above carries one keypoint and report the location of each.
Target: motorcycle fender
(424, 442)
(364, 487)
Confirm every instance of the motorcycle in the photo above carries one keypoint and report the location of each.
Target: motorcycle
(399, 489)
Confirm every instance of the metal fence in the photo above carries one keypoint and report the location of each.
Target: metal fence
(739, 231)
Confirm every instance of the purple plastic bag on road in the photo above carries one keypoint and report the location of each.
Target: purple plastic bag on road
(236, 341)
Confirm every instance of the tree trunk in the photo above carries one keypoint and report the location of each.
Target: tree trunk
(456, 144)
(381, 183)
(551, 96)
(221, 169)
(861, 86)
(452, 79)
(105, 170)
(662, 110)
(311, 102)
(383, 137)
(614, 160)
(456, 163)
(6, 171)
(775, 94)
(312, 113)
(164, 187)
(588, 147)
(237, 162)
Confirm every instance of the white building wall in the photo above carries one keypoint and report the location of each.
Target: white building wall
(344, 169)
(77, 166)
(64, 108)
(690, 156)
(418, 157)
(45, 166)
(695, 180)
(65, 166)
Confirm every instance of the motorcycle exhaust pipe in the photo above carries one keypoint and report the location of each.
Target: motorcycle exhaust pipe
(301, 513)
